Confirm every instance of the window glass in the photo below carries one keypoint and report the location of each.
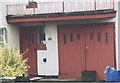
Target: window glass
(64, 38)
(29, 38)
(41, 36)
(78, 36)
(32, 39)
(2, 36)
(71, 37)
(106, 37)
(91, 36)
(98, 37)
(1, 32)
(26, 37)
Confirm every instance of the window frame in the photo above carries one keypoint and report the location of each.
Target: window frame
(4, 32)
(44, 41)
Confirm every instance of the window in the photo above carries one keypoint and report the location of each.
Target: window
(98, 37)
(41, 35)
(64, 38)
(71, 37)
(91, 36)
(106, 37)
(78, 36)
(32, 39)
(2, 36)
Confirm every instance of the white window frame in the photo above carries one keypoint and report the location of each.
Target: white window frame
(44, 41)
(3, 35)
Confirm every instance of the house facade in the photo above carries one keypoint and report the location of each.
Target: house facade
(63, 38)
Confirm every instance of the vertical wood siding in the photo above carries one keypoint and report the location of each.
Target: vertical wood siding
(71, 53)
(92, 50)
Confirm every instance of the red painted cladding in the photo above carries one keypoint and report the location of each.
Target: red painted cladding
(27, 35)
(71, 60)
(100, 53)
(15, 20)
(85, 47)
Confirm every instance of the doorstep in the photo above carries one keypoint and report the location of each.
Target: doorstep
(59, 80)
(7, 79)
(40, 79)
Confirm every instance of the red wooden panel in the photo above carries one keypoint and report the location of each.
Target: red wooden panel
(86, 53)
(99, 53)
(27, 36)
(71, 54)
(15, 20)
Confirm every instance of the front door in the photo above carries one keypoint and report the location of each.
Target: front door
(85, 47)
(30, 43)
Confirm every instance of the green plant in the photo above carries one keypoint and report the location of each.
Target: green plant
(11, 62)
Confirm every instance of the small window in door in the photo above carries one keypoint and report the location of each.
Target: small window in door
(78, 36)
(106, 37)
(71, 37)
(91, 36)
(64, 38)
(32, 39)
(41, 35)
(98, 37)
(29, 38)
(26, 36)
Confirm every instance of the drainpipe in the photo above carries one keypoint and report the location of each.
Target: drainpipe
(63, 6)
(95, 4)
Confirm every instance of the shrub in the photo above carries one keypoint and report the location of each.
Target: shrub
(11, 62)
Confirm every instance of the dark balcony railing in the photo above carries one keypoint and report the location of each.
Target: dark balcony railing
(60, 7)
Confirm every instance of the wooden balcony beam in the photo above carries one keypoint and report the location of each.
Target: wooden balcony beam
(35, 19)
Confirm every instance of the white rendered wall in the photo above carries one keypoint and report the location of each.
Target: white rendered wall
(51, 54)
(12, 30)
(52, 46)
(118, 36)
(117, 33)
(0, 14)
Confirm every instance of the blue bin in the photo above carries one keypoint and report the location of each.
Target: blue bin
(119, 76)
(112, 75)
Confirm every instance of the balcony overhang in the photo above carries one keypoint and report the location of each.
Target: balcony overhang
(62, 16)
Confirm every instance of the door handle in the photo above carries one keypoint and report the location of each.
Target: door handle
(86, 47)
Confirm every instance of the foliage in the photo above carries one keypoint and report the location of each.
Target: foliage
(11, 62)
